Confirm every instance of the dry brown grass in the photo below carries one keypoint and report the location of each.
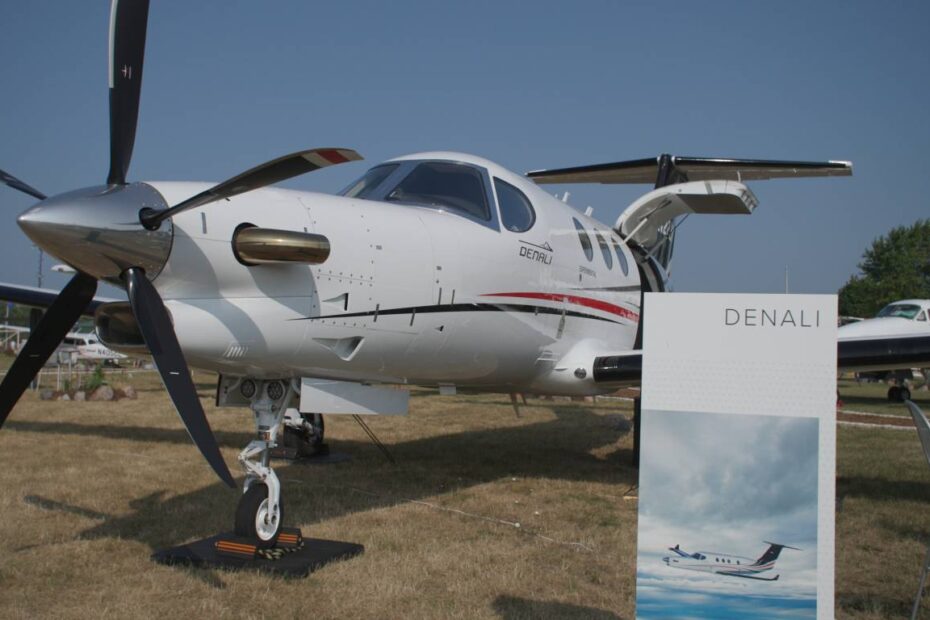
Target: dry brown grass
(90, 490)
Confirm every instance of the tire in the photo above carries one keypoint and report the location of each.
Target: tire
(307, 444)
(251, 508)
(905, 393)
(894, 394)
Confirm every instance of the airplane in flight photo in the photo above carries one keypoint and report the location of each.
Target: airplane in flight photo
(437, 269)
(726, 564)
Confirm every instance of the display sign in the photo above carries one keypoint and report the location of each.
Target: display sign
(737, 474)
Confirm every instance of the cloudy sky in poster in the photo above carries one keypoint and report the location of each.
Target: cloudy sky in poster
(726, 483)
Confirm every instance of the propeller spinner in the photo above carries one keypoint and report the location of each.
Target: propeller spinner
(116, 233)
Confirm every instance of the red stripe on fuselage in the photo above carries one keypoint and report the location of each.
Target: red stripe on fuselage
(587, 302)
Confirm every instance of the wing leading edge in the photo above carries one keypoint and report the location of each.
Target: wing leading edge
(42, 297)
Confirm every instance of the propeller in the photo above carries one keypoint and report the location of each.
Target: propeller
(270, 172)
(162, 342)
(128, 20)
(15, 183)
(48, 334)
(114, 233)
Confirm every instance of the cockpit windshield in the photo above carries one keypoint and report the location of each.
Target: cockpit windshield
(904, 311)
(369, 181)
(444, 185)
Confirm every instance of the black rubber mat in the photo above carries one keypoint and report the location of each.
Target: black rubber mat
(314, 553)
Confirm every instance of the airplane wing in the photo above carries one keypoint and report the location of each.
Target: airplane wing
(859, 355)
(884, 353)
(691, 169)
(42, 297)
(744, 576)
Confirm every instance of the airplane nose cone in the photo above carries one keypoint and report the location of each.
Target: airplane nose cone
(97, 230)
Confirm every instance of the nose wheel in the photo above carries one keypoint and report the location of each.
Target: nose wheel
(256, 517)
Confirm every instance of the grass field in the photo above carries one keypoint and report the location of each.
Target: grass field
(91, 489)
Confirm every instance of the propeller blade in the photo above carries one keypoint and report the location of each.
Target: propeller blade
(45, 338)
(268, 173)
(128, 20)
(15, 183)
(159, 336)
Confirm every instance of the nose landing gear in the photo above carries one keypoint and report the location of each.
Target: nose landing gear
(260, 540)
(260, 513)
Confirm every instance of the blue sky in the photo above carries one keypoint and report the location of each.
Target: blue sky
(231, 83)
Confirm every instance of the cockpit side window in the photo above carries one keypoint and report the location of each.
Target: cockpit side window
(922, 316)
(517, 213)
(446, 186)
(369, 182)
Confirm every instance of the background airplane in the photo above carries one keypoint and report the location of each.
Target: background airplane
(896, 326)
(85, 345)
(726, 564)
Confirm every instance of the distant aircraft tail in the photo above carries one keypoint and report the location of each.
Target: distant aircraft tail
(678, 550)
(771, 554)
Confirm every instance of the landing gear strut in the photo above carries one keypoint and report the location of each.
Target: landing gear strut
(260, 512)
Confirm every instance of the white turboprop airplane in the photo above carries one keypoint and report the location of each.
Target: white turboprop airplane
(85, 344)
(898, 321)
(725, 564)
(89, 348)
(436, 269)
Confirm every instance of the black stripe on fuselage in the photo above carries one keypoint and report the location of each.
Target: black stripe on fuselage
(473, 307)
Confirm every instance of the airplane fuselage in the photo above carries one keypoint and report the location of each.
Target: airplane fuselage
(718, 563)
(409, 294)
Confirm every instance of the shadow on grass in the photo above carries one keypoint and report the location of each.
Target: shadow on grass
(144, 434)
(882, 488)
(558, 449)
(516, 608)
(920, 536)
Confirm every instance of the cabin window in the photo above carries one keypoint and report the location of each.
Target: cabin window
(516, 211)
(444, 186)
(922, 316)
(621, 258)
(584, 239)
(605, 249)
(369, 182)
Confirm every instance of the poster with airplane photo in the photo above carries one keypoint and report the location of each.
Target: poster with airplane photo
(738, 457)
(734, 535)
